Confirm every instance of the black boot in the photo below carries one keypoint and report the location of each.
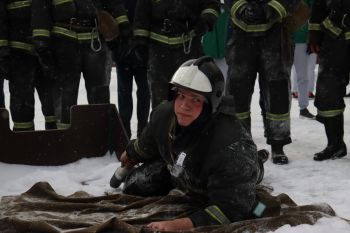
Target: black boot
(278, 155)
(263, 155)
(336, 148)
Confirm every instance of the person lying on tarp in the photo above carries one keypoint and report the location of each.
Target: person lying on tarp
(195, 145)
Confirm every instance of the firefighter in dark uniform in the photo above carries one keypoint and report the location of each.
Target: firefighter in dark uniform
(23, 67)
(194, 143)
(330, 37)
(255, 48)
(66, 37)
(169, 33)
(130, 68)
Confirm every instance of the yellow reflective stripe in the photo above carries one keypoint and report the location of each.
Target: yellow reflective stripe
(50, 119)
(236, 6)
(214, 212)
(327, 23)
(242, 115)
(23, 125)
(330, 113)
(59, 2)
(4, 42)
(314, 27)
(251, 28)
(62, 126)
(347, 36)
(18, 4)
(41, 32)
(277, 117)
(210, 11)
(122, 19)
(141, 32)
(278, 7)
(138, 149)
(73, 34)
(21, 45)
(171, 40)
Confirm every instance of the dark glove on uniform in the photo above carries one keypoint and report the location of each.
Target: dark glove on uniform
(201, 27)
(138, 54)
(47, 62)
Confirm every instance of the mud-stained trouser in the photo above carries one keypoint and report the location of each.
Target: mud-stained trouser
(249, 56)
(24, 78)
(72, 58)
(163, 61)
(333, 77)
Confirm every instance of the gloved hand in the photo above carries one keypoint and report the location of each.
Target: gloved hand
(252, 13)
(201, 27)
(138, 55)
(47, 62)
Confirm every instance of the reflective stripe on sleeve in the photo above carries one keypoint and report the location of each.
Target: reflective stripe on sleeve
(41, 33)
(215, 213)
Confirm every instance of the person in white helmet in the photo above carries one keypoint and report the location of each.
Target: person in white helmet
(195, 145)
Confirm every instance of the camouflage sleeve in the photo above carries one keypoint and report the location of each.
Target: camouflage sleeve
(319, 13)
(3, 26)
(41, 22)
(231, 187)
(142, 19)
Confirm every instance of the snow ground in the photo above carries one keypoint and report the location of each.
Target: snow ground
(303, 179)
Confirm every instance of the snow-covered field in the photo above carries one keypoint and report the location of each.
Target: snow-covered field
(303, 179)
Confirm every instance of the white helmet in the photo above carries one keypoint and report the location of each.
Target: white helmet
(201, 76)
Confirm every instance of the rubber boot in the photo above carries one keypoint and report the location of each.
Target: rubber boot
(278, 155)
(336, 148)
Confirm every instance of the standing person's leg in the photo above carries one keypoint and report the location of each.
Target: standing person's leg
(293, 79)
(143, 98)
(96, 68)
(21, 88)
(68, 63)
(2, 95)
(301, 66)
(125, 101)
(44, 88)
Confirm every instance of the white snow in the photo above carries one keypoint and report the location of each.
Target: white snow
(305, 180)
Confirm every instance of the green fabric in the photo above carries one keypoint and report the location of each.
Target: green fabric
(214, 42)
(301, 35)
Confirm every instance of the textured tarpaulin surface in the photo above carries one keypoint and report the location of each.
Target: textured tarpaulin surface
(41, 209)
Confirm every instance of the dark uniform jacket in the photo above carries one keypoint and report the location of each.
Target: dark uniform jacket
(74, 19)
(280, 9)
(215, 162)
(321, 23)
(15, 31)
(166, 20)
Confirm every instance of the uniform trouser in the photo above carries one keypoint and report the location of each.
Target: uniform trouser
(301, 77)
(249, 56)
(72, 58)
(126, 73)
(2, 95)
(23, 79)
(163, 61)
(333, 77)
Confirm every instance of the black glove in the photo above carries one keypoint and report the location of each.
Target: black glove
(201, 27)
(138, 53)
(252, 13)
(47, 62)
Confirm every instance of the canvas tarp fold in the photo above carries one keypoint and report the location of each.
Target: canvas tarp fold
(41, 209)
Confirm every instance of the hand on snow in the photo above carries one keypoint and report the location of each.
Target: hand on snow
(172, 225)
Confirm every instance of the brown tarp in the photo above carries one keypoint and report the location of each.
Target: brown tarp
(41, 209)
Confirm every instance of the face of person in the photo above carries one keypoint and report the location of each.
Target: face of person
(188, 106)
